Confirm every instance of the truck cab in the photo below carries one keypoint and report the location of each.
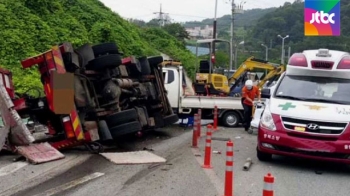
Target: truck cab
(308, 110)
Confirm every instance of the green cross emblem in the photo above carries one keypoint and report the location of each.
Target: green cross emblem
(286, 106)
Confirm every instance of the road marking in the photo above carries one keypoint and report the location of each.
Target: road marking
(10, 168)
(218, 184)
(71, 184)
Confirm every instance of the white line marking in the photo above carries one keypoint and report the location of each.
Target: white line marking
(10, 168)
(218, 184)
(71, 184)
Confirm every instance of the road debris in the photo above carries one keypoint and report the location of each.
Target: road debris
(221, 138)
(216, 152)
(248, 163)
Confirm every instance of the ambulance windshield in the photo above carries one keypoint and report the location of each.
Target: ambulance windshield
(318, 89)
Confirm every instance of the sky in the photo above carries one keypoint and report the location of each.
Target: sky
(183, 10)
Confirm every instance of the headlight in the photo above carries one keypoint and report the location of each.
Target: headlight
(266, 120)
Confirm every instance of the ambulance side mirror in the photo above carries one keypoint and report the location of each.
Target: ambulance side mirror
(266, 93)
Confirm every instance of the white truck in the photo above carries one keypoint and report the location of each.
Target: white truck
(230, 110)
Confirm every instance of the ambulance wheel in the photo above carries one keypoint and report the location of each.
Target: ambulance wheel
(230, 119)
(262, 156)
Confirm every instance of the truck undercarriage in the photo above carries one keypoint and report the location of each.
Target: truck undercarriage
(108, 96)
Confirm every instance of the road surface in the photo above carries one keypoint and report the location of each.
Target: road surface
(81, 173)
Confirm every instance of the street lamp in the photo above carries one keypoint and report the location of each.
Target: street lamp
(236, 46)
(282, 55)
(266, 51)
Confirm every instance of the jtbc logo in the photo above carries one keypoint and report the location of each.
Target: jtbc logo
(316, 17)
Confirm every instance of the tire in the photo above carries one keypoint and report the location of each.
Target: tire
(135, 69)
(121, 117)
(230, 119)
(105, 48)
(155, 60)
(85, 54)
(103, 130)
(125, 129)
(171, 119)
(145, 66)
(104, 62)
(262, 156)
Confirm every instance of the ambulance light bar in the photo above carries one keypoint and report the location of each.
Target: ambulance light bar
(298, 59)
(344, 63)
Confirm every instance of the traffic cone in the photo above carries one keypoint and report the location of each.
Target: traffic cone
(207, 153)
(199, 122)
(268, 185)
(215, 128)
(195, 132)
(229, 169)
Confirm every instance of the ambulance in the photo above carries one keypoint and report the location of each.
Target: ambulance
(307, 112)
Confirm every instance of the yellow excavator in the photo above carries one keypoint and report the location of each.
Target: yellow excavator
(249, 65)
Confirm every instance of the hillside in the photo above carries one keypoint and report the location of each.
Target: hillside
(29, 27)
(248, 18)
(289, 20)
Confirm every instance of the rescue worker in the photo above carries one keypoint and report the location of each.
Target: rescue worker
(249, 92)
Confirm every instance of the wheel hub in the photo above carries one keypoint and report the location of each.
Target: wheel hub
(231, 120)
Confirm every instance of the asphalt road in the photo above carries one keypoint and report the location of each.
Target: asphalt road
(81, 173)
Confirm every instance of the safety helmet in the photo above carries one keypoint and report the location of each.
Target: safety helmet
(249, 83)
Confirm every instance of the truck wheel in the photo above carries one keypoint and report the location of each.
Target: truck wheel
(105, 48)
(135, 69)
(104, 62)
(262, 156)
(155, 60)
(103, 130)
(121, 117)
(125, 129)
(145, 66)
(230, 119)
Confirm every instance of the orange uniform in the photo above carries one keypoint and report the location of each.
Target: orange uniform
(254, 92)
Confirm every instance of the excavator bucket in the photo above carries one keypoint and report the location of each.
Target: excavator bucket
(19, 136)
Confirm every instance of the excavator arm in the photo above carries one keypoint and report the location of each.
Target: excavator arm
(272, 74)
(249, 65)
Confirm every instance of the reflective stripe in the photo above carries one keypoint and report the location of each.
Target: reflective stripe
(208, 137)
(229, 148)
(268, 186)
(229, 158)
(207, 145)
(229, 168)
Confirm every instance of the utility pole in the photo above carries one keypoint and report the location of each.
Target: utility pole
(214, 27)
(232, 33)
(234, 10)
(270, 43)
(289, 51)
(161, 16)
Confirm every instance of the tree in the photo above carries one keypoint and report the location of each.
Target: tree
(177, 30)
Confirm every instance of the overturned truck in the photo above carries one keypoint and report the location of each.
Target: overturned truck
(91, 95)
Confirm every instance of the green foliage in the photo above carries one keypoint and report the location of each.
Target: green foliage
(177, 30)
(171, 46)
(29, 27)
(248, 18)
(289, 20)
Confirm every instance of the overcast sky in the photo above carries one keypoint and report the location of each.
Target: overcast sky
(182, 10)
